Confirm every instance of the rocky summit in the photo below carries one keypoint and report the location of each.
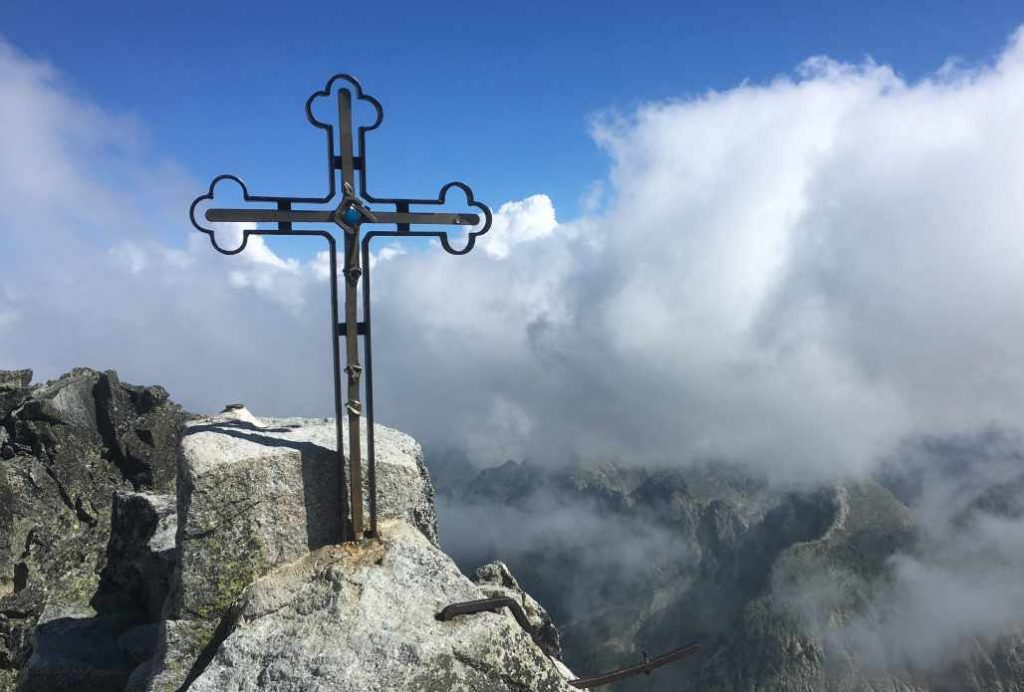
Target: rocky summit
(364, 618)
(74, 455)
(145, 548)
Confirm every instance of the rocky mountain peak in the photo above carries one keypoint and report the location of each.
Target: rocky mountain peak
(144, 548)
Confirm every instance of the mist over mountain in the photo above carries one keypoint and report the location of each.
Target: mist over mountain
(909, 580)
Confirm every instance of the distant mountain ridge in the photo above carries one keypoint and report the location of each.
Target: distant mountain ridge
(727, 560)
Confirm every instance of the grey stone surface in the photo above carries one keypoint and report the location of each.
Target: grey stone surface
(496, 581)
(141, 554)
(66, 447)
(102, 589)
(14, 389)
(15, 379)
(256, 493)
(363, 618)
(252, 496)
(78, 653)
(180, 645)
(140, 428)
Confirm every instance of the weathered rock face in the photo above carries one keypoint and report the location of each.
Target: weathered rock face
(496, 581)
(734, 608)
(96, 646)
(363, 618)
(253, 496)
(141, 554)
(258, 509)
(65, 448)
(103, 588)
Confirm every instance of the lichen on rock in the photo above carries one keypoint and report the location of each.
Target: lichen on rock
(66, 447)
(364, 618)
(258, 567)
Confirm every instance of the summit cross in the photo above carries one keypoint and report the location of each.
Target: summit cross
(348, 208)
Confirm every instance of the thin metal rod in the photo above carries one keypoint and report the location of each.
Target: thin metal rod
(371, 457)
(436, 218)
(270, 215)
(353, 370)
(471, 607)
(342, 489)
(345, 125)
(645, 667)
(312, 216)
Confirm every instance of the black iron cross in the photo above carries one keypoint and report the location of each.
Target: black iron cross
(349, 211)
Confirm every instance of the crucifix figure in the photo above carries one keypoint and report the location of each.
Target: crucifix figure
(347, 208)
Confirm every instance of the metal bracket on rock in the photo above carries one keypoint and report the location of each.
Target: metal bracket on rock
(648, 664)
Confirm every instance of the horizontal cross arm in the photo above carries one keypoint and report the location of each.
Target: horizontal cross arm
(432, 218)
(311, 216)
(269, 215)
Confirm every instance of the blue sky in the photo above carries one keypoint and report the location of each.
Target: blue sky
(829, 254)
(497, 94)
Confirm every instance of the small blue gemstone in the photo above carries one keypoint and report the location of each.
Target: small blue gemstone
(351, 216)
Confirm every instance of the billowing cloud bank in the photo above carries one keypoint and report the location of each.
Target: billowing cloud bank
(796, 274)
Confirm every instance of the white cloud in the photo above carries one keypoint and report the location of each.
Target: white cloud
(966, 585)
(321, 265)
(129, 256)
(386, 253)
(592, 199)
(949, 594)
(519, 222)
(796, 274)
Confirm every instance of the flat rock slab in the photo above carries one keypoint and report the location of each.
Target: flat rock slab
(256, 493)
(348, 618)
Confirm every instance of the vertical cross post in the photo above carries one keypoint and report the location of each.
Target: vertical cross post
(348, 210)
(353, 369)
